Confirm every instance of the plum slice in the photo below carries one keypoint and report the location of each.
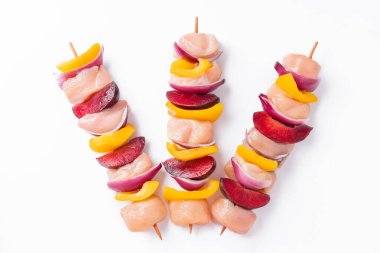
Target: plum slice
(191, 101)
(241, 196)
(279, 132)
(123, 155)
(105, 98)
(199, 168)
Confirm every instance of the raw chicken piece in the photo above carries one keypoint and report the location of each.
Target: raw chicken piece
(302, 65)
(264, 178)
(86, 83)
(186, 212)
(187, 131)
(212, 75)
(142, 215)
(266, 146)
(200, 45)
(237, 219)
(106, 121)
(140, 165)
(286, 105)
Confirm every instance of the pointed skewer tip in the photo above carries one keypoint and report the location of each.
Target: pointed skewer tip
(190, 228)
(157, 231)
(222, 231)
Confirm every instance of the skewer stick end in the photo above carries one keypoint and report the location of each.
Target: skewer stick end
(222, 231)
(73, 49)
(313, 49)
(196, 25)
(190, 228)
(157, 231)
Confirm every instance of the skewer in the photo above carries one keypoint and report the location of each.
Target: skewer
(157, 231)
(222, 231)
(313, 49)
(196, 25)
(190, 228)
(73, 49)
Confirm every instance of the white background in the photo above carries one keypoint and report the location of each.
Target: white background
(53, 194)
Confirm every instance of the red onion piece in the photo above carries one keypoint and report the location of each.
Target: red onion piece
(183, 54)
(190, 146)
(198, 88)
(190, 184)
(245, 179)
(134, 183)
(270, 109)
(303, 83)
(97, 61)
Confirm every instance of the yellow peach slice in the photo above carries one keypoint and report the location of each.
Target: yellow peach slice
(110, 142)
(184, 68)
(205, 192)
(190, 154)
(208, 114)
(251, 156)
(289, 86)
(81, 60)
(147, 190)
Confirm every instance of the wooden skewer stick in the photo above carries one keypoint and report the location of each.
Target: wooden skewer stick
(157, 231)
(73, 49)
(190, 228)
(223, 229)
(196, 25)
(313, 49)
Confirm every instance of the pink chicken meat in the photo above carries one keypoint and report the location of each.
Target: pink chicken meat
(86, 83)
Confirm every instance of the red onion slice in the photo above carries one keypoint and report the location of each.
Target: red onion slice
(183, 54)
(198, 88)
(245, 179)
(190, 184)
(270, 109)
(134, 183)
(303, 83)
(97, 61)
(190, 146)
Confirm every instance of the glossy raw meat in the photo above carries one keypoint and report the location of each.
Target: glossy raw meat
(185, 212)
(140, 165)
(190, 131)
(142, 215)
(286, 105)
(266, 146)
(86, 83)
(212, 75)
(302, 65)
(200, 45)
(235, 218)
(106, 121)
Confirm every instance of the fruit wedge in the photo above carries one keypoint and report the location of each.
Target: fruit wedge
(279, 132)
(205, 192)
(289, 86)
(184, 68)
(242, 196)
(191, 101)
(105, 98)
(190, 154)
(194, 169)
(251, 156)
(110, 142)
(147, 190)
(123, 155)
(209, 114)
(81, 60)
